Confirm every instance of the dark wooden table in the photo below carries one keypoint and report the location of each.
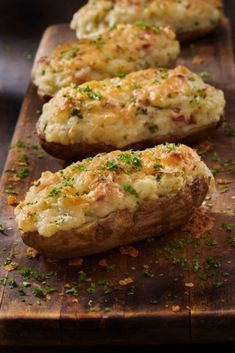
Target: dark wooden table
(21, 26)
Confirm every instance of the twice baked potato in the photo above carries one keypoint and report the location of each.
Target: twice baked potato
(188, 18)
(141, 110)
(124, 49)
(113, 199)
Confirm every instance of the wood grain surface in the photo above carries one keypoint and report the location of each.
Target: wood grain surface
(183, 283)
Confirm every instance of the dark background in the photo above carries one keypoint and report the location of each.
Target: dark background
(22, 23)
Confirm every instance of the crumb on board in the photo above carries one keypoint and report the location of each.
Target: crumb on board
(198, 60)
(11, 200)
(199, 223)
(129, 250)
(203, 147)
(175, 308)
(75, 262)
(103, 263)
(32, 253)
(189, 285)
(125, 281)
(224, 181)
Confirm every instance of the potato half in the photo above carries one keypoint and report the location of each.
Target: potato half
(141, 110)
(124, 49)
(188, 18)
(112, 199)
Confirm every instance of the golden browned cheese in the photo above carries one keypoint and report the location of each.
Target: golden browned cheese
(123, 49)
(119, 112)
(95, 188)
(188, 18)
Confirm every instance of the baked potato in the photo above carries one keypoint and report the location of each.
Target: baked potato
(143, 109)
(112, 199)
(188, 18)
(124, 49)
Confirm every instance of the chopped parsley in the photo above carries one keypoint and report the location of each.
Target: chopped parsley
(171, 147)
(55, 191)
(141, 24)
(72, 290)
(156, 29)
(232, 241)
(12, 283)
(120, 74)
(69, 54)
(2, 228)
(81, 277)
(75, 112)
(153, 128)
(38, 292)
(20, 144)
(228, 227)
(23, 158)
(128, 188)
(92, 288)
(205, 75)
(91, 94)
(79, 166)
(23, 173)
(111, 165)
(157, 167)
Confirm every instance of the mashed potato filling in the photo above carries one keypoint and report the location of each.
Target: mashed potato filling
(182, 15)
(96, 187)
(124, 49)
(138, 107)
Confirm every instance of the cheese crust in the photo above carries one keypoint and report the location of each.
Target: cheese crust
(149, 105)
(124, 49)
(96, 188)
(188, 18)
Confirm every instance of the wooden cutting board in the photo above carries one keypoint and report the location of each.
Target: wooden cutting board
(183, 283)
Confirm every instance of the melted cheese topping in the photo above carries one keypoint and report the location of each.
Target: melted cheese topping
(144, 104)
(122, 50)
(96, 187)
(182, 15)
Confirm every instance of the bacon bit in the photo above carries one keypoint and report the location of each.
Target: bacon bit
(178, 117)
(146, 267)
(48, 297)
(14, 179)
(189, 285)
(10, 267)
(103, 263)
(32, 253)
(199, 223)
(129, 250)
(197, 60)
(67, 285)
(125, 281)
(216, 166)
(223, 181)
(146, 45)
(52, 261)
(176, 308)
(11, 200)
(61, 294)
(88, 279)
(204, 147)
(75, 300)
(75, 262)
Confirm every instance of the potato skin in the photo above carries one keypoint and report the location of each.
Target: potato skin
(79, 151)
(153, 218)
